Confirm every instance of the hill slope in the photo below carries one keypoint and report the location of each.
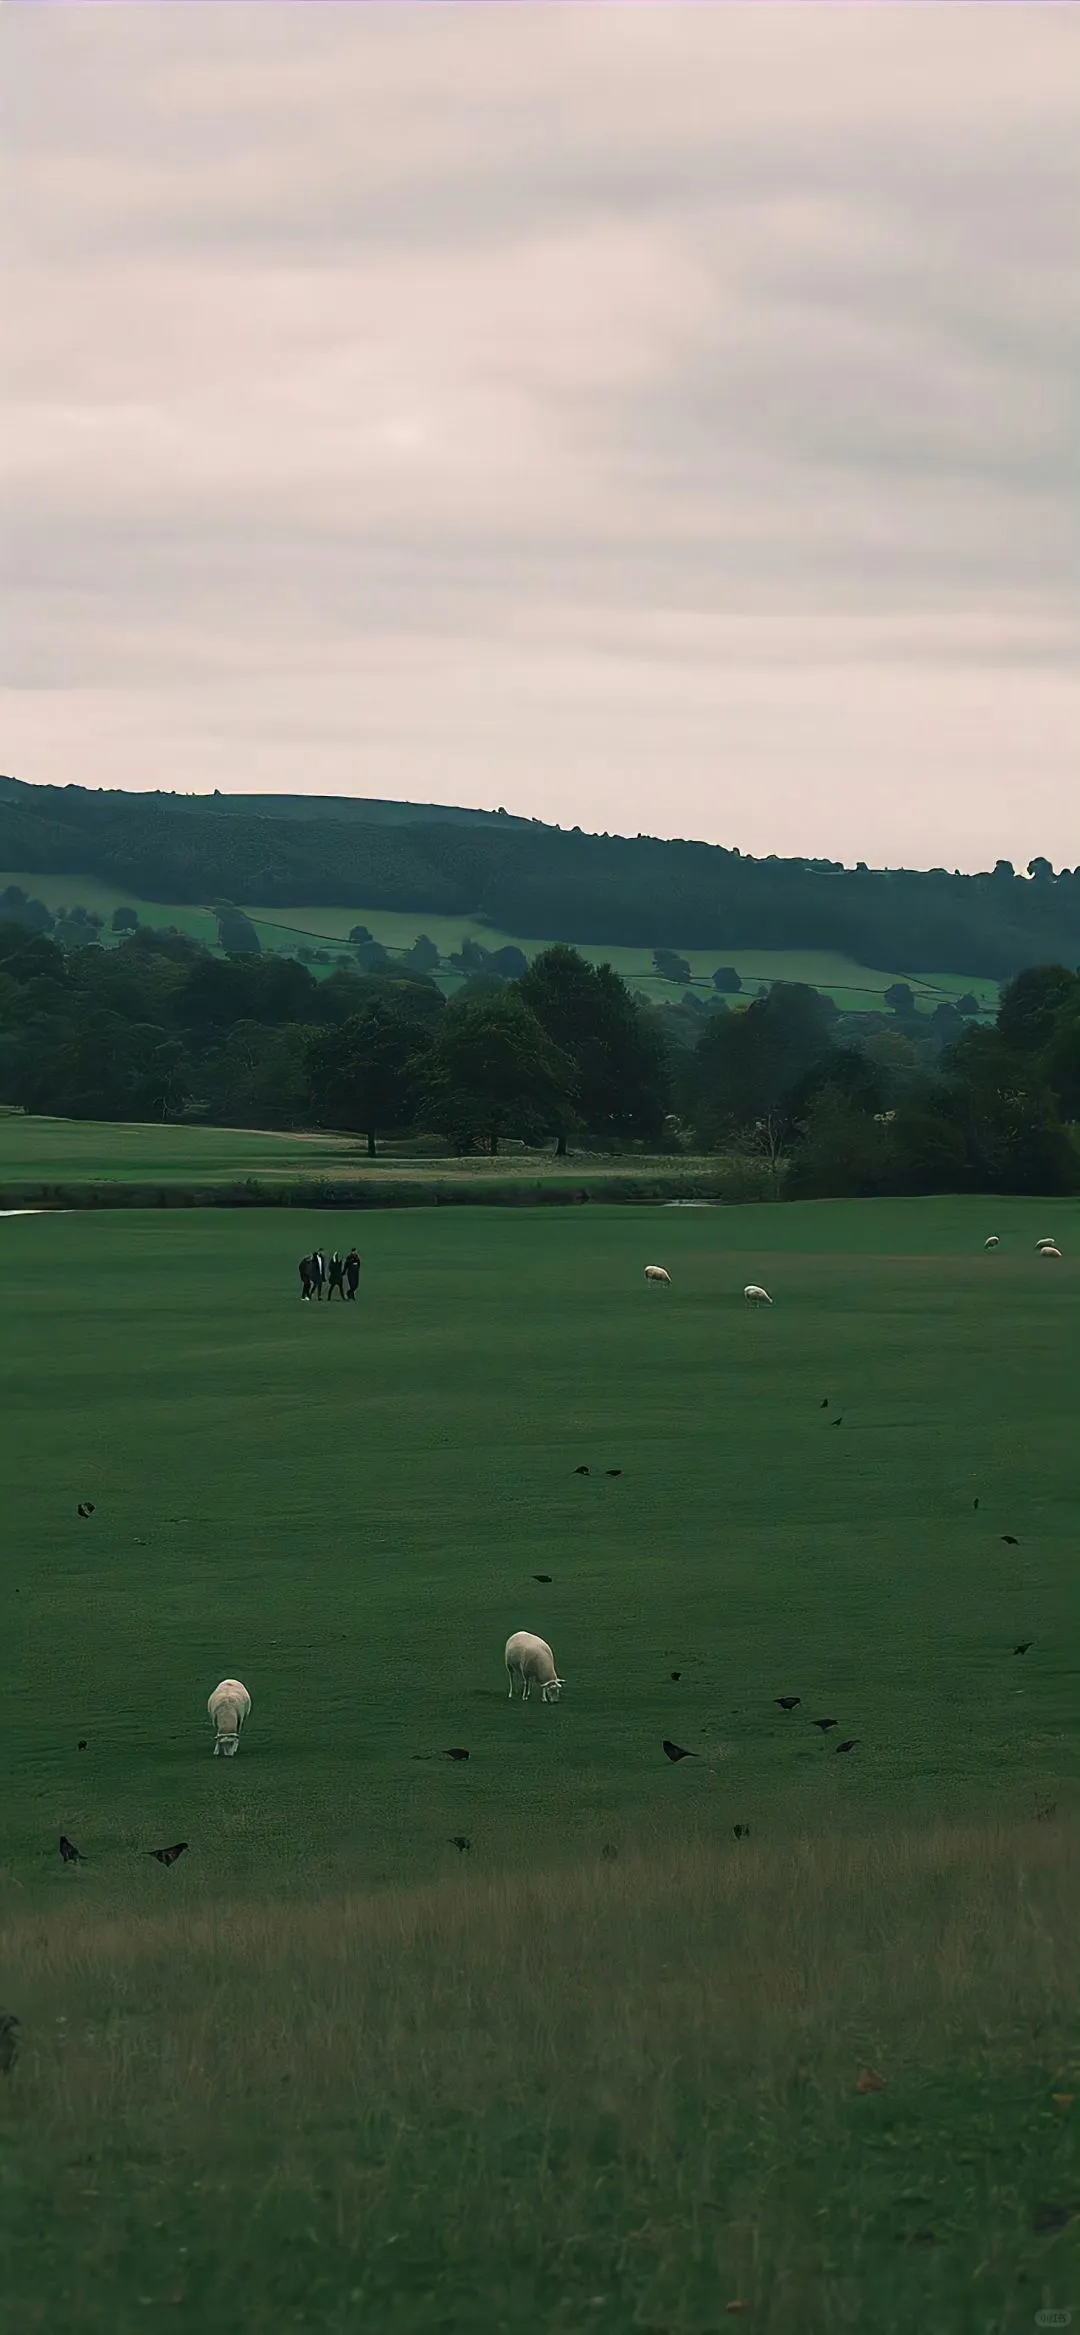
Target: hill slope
(524, 877)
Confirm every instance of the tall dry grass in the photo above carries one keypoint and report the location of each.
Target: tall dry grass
(618, 2096)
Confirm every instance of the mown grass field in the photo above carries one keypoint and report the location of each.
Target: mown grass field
(600, 2068)
(854, 988)
(42, 1151)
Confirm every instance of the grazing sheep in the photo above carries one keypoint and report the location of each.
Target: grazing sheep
(657, 1273)
(1049, 1250)
(756, 1296)
(993, 1242)
(530, 1659)
(229, 1706)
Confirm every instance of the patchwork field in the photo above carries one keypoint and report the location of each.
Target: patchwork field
(854, 988)
(599, 2068)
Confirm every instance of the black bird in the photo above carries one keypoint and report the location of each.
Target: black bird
(675, 1676)
(613, 1471)
(71, 1855)
(9, 2043)
(839, 1422)
(824, 1724)
(458, 1840)
(975, 1503)
(1010, 1540)
(824, 1402)
(675, 1751)
(456, 1754)
(849, 1745)
(1024, 1645)
(741, 1831)
(581, 1471)
(168, 1856)
(85, 1508)
(82, 1743)
(787, 1702)
(542, 1576)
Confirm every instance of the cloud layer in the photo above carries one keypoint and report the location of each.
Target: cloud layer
(651, 419)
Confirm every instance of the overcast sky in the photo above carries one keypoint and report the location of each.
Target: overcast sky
(649, 418)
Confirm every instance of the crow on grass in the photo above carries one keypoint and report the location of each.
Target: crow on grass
(168, 1856)
(1010, 1540)
(675, 1751)
(838, 1422)
(741, 1831)
(787, 1702)
(675, 1676)
(85, 1508)
(824, 1724)
(613, 1471)
(459, 1841)
(581, 1471)
(457, 1753)
(71, 1855)
(82, 1743)
(1024, 1646)
(542, 1576)
(849, 1745)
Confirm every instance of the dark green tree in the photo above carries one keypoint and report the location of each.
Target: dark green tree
(366, 1073)
(494, 1071)
(622, 1079)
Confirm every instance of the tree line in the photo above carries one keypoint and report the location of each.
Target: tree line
(616, 891)
(813, 1101)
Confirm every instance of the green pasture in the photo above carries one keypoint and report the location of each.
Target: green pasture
(38, 1151)
(854, 988)
(604, 2068)
(62, 1151)
(345, 1506)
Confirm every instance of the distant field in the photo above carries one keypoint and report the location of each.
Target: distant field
(855, 988)
(598, 2069)
(94, 1151)
(48, 1150)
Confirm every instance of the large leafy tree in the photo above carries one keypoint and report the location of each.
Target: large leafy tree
(622, 1079)
(749, 1066)
(365, 1073)
(494, 1071)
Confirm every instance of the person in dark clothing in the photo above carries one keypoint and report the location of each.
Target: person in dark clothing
(305, 1280)
(337, 1277)
(318, 1272)
(352, 1274)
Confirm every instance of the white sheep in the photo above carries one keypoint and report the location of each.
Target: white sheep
(229, 1706)
(657, 1273)
(993, 1242)
(531, 1659)
(1049, 1250)
(756, 1296)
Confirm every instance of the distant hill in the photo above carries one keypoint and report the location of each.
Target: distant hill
(524, 877)
(348, 807)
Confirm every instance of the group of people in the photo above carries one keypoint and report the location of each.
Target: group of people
(318, 1272)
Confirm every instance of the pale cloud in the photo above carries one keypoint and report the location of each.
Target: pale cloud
(647, 418)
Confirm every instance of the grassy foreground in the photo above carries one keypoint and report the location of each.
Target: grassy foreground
(599, 2069)
(624, 2096)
